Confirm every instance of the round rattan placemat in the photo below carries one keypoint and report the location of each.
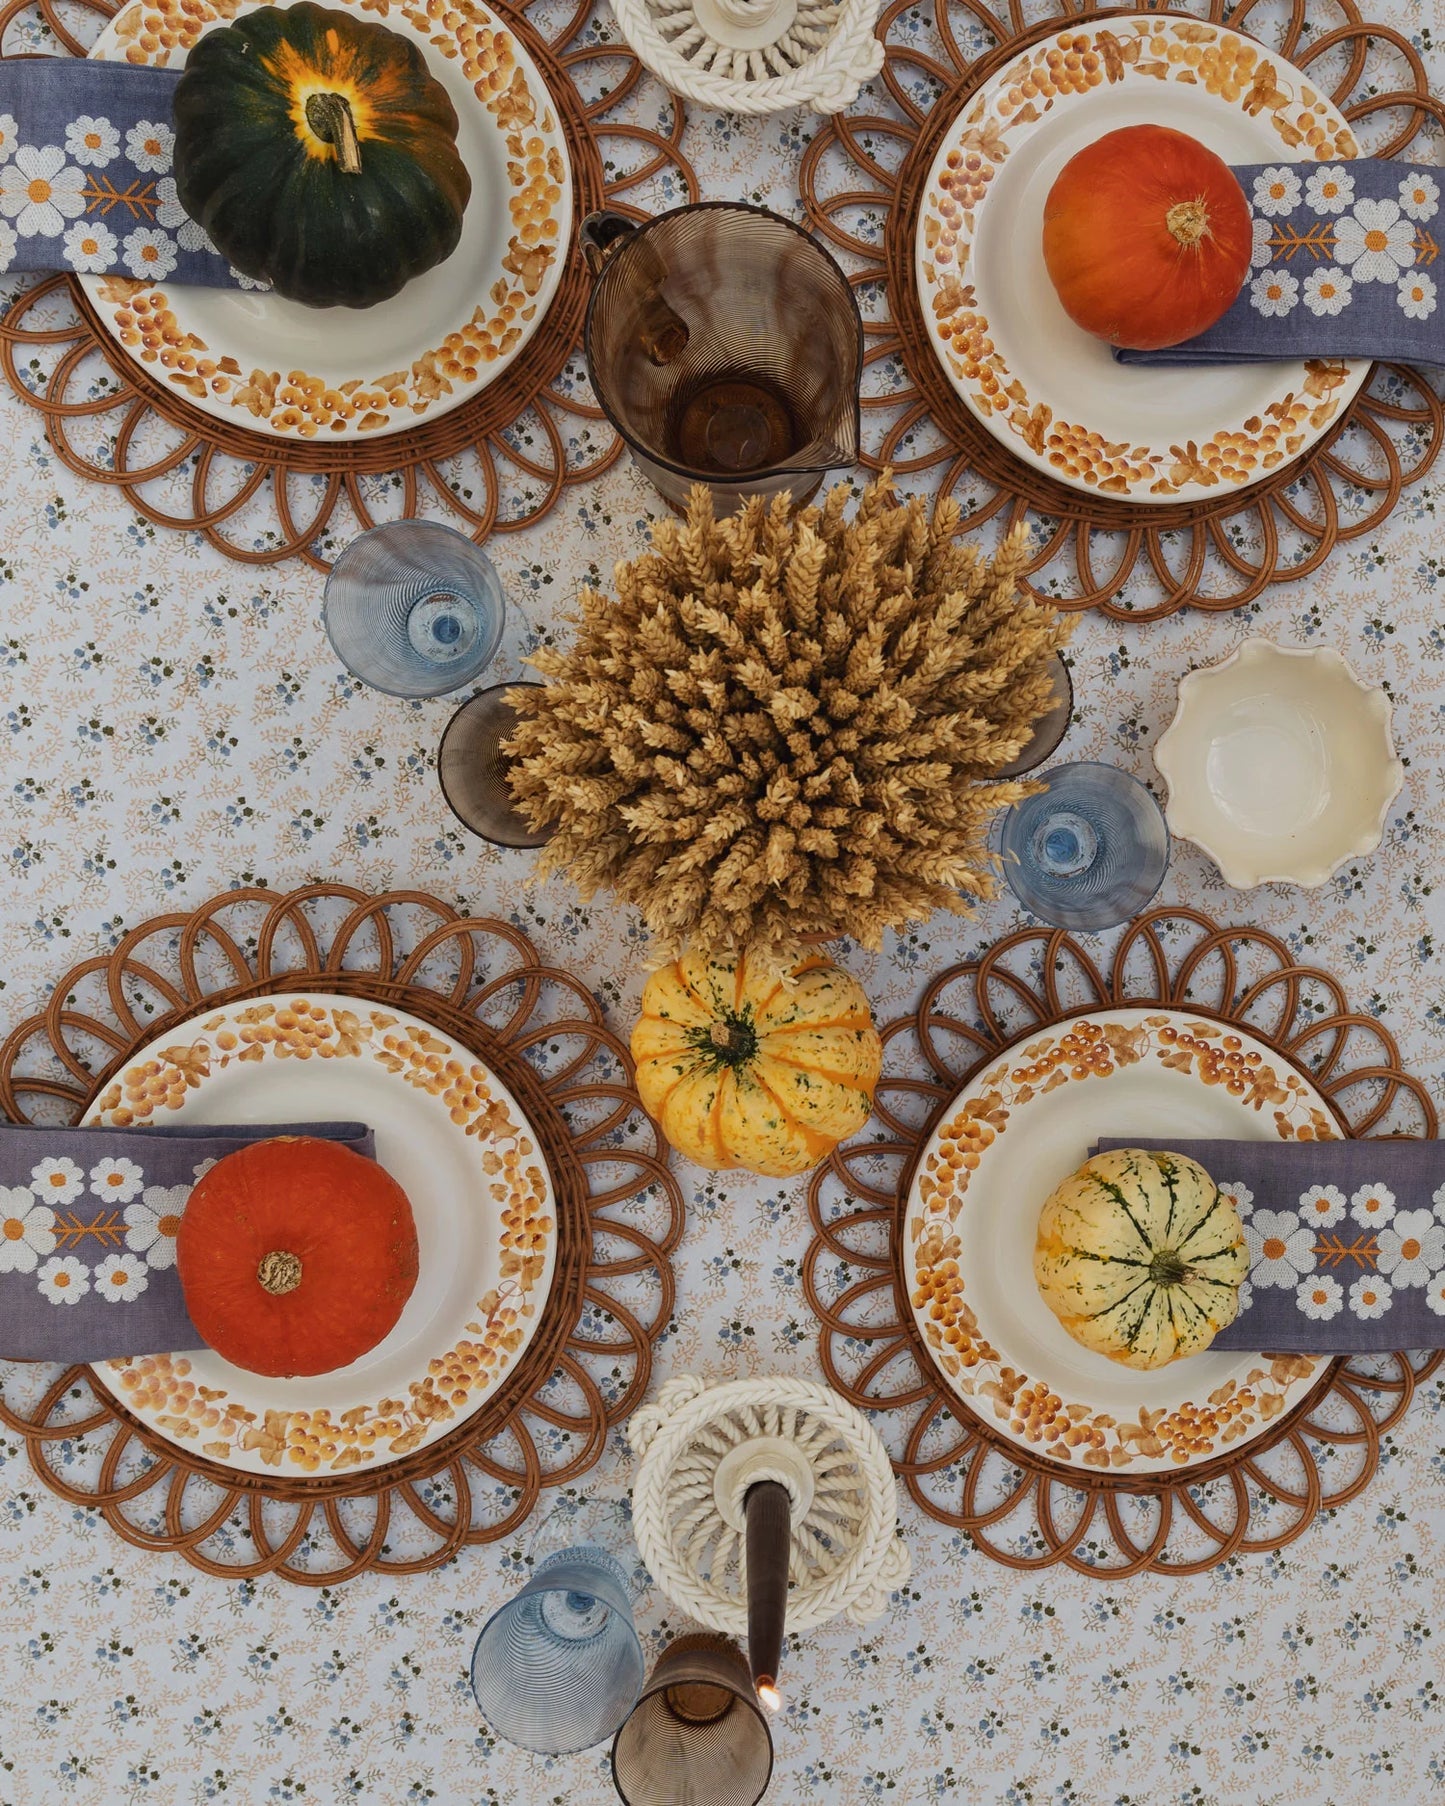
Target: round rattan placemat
(1024, 1509)
(497, 463)
(862, 181)
(619, 1216)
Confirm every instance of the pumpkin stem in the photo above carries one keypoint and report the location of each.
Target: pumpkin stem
(1188, 221)
(1166, 1268)
(329, 116)
(730, 1041)
(279, 1272)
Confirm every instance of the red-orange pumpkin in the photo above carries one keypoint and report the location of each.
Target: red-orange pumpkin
(296, 1256)
(1146, 237)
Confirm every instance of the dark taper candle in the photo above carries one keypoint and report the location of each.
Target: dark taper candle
(769, 1511)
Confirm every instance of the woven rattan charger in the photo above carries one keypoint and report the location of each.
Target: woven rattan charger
(497, 463)
(870, 164)
(619, 1215)
(1026, 1510)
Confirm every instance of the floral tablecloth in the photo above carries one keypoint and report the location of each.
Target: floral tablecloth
(174, 724)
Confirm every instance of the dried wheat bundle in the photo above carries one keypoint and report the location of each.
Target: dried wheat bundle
(780, 723)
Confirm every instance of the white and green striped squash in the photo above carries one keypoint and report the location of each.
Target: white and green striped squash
(1140, 1257)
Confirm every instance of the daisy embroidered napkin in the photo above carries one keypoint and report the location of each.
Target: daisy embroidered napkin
(88, 1221)
(85, 175)
(1346, 1241)
(1344, 267)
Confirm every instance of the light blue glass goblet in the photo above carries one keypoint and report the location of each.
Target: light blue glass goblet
(1089, 850)
(559, 1666)
(414, 608)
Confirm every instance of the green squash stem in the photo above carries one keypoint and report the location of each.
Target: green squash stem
(329, 116)
(733, 1041)
(1166, 1268)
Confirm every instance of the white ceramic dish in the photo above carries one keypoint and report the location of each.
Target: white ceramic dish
(457, 1142)
(273, 366)
(1041, 385)
(1280, 764)
(1018, 1130)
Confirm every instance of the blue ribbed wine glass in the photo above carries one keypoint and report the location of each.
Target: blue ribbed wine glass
(1089, 850)
(559, 1666)
(414, 608)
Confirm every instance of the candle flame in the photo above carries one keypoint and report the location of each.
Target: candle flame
(768, 1694)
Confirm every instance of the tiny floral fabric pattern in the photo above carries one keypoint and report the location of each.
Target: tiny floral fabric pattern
(1280, 1248)
(85, 175)
(1340, 267)
(119, 1278)
(1346, 1242)
(117, 1180)
(88, 1227)
(57, 1181)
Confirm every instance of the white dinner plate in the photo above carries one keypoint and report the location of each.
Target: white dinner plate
(1044, 387)
(1019, 1130)
(274, 366)
(457, 1142)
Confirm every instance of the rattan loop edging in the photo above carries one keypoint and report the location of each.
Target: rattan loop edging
(1022, 1508)
(619, 1215)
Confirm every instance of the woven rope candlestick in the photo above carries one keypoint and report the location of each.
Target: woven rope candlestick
(757, 56)
(704, 1447)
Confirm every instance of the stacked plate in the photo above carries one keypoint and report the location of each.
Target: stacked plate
(457, 1141)
(267, 365)
(1041, 385)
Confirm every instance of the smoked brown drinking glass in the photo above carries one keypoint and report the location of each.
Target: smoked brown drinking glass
(726, 347)
(472, 769)
(1051, 726)
(697, 1736)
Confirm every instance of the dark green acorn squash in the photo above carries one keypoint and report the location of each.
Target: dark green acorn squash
(319, 154)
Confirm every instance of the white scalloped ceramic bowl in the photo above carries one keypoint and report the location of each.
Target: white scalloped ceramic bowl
(1280, 764)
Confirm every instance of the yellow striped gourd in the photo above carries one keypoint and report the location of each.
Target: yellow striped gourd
(1140, 1257)
(743, 1069)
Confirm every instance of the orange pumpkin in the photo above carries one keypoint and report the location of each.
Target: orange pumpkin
(296, 1256)
(1147, 237)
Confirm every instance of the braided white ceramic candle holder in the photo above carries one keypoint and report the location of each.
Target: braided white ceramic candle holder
(703, 1446)
(756, 56)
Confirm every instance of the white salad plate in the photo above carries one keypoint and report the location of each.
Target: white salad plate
(1280, 764)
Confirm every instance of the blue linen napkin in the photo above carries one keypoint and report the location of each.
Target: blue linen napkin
(88, 1220)
(1346, 1241)
(1344, 267)
(85, 175)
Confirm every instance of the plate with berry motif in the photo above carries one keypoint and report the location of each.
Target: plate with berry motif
(1042, 386)
(1018, 1130)
(269, 365)
(459, 1144)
